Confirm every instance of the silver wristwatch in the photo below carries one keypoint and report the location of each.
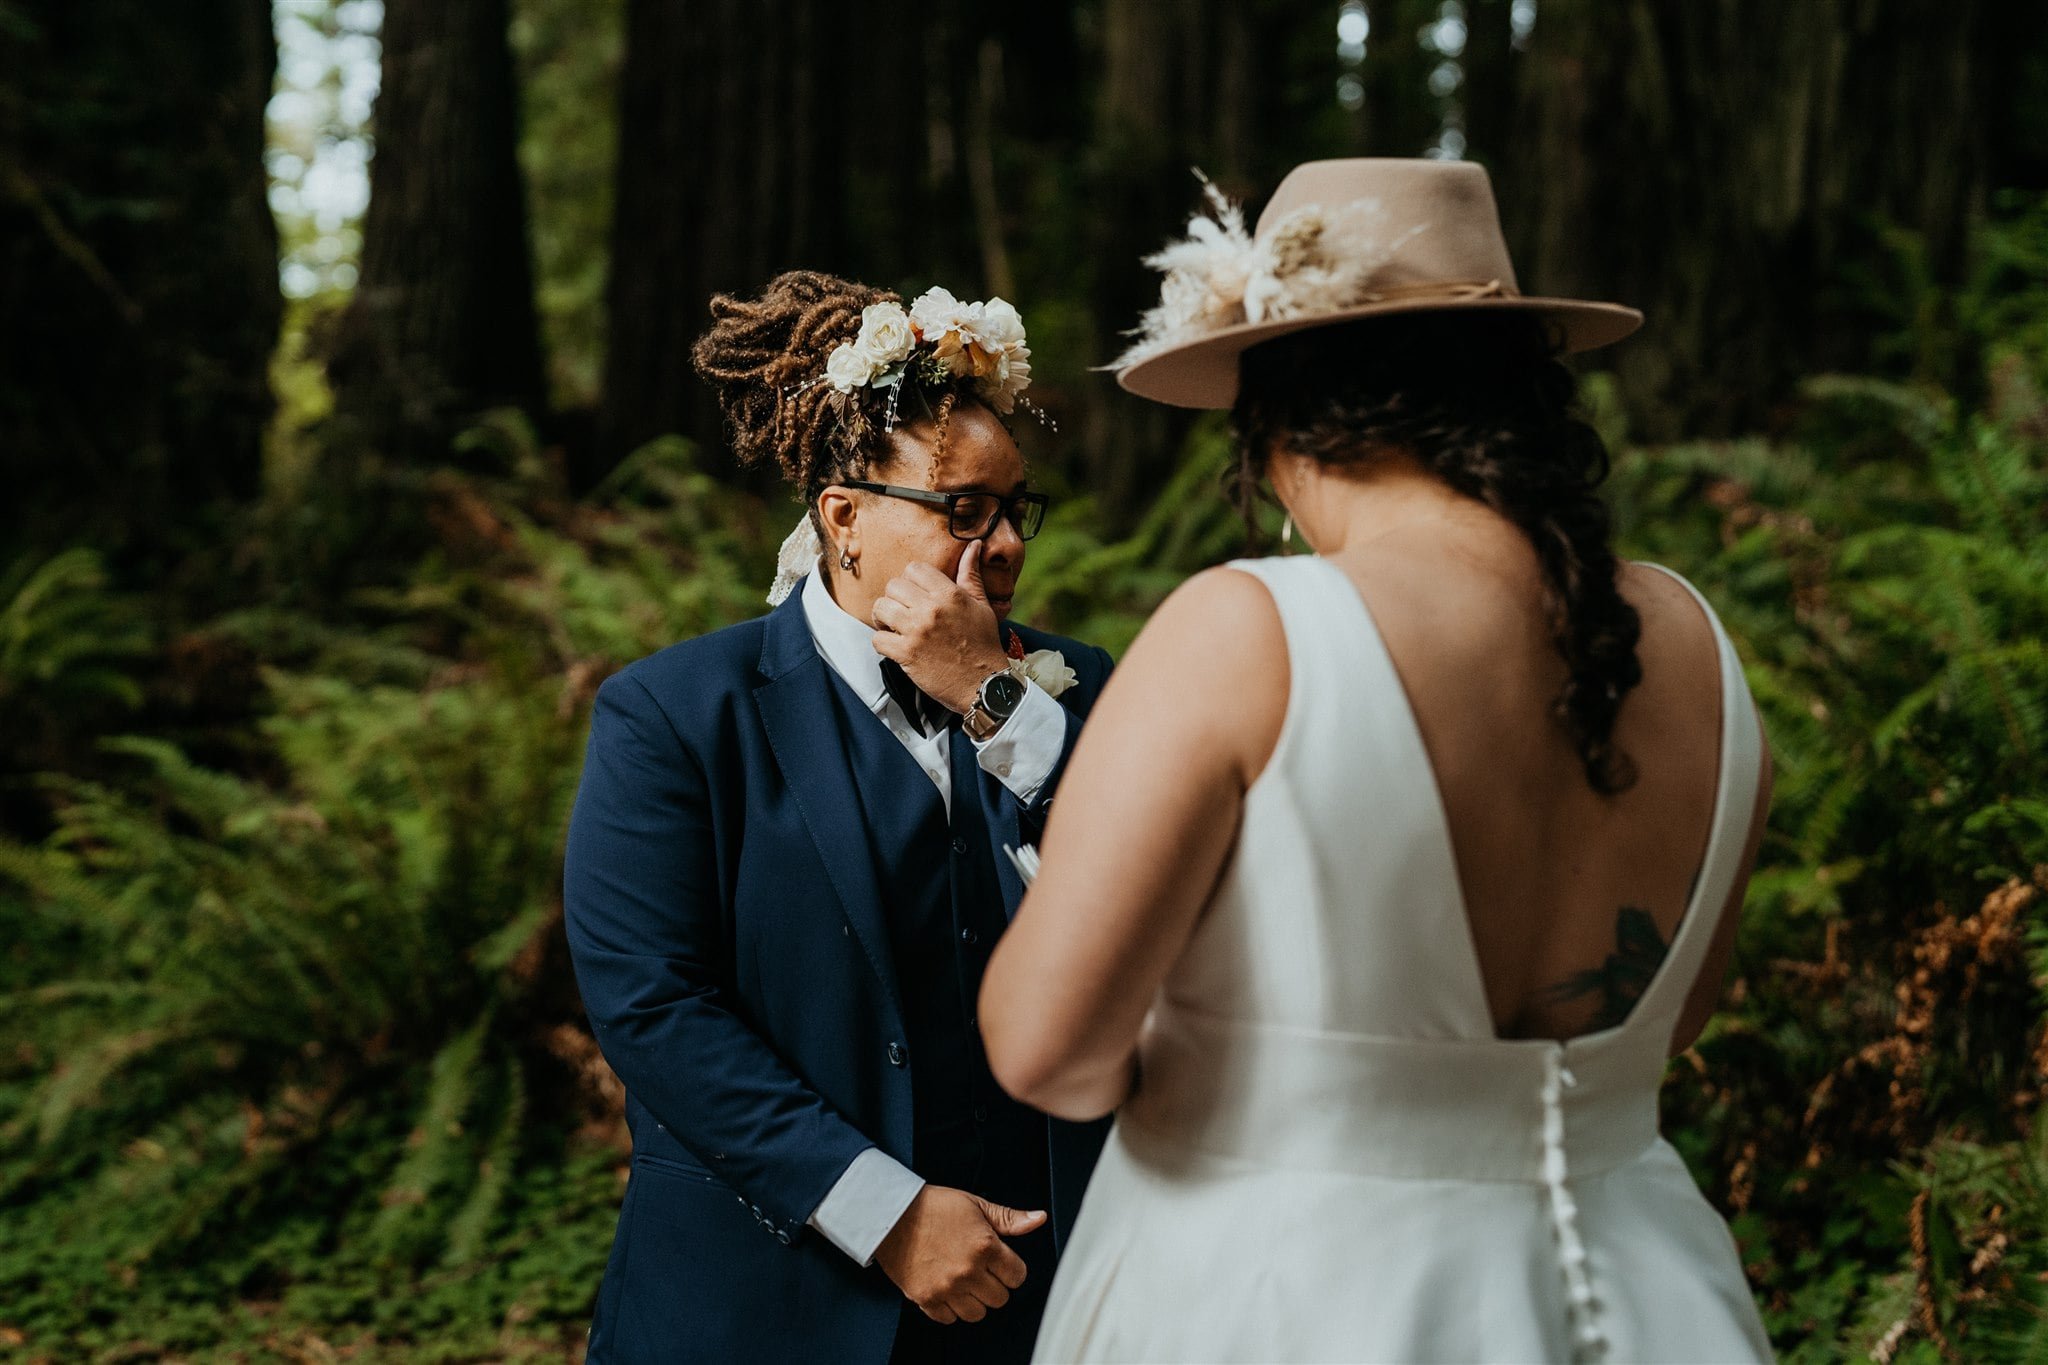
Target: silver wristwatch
(1001, 694)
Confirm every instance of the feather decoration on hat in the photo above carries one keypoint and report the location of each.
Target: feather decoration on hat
(1311, 261)
(1206, 273)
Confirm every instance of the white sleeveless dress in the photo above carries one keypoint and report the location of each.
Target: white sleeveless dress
(1330, 1156)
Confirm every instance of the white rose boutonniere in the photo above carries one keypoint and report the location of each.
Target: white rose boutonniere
(1048, 668)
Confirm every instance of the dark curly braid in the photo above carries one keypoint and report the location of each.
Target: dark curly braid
(1482, 401)
(766, 356)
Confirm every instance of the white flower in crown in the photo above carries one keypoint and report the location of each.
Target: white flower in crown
(941, 320)
(849, 367)
(979, 342)
(1000, 325)
(983, 342)
(1010, 376)
(1000, 333)
(886, 334)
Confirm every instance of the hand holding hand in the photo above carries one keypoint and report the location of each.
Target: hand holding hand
(948, 1257)
(942, 630)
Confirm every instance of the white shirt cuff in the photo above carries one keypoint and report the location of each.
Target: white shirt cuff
(861, 1209)
(1024, 752)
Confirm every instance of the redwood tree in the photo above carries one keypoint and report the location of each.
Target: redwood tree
(1240, 89)
(733, 124)
(1716, 165)
(138, 269)
(441, 325)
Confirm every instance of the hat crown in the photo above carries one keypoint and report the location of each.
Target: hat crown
(1440, 216)
(1339, 242)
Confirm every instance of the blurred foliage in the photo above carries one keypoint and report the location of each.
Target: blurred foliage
(292, 1039)
(1868, 1104)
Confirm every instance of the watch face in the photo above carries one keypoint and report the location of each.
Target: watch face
(1002, 693)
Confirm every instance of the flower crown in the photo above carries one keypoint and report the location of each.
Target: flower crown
(938, 340)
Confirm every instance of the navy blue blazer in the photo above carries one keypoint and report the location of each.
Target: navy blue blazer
(729, 940)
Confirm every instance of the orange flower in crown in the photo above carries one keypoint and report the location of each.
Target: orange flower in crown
(982, 341)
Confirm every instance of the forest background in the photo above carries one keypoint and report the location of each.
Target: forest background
(350, 441)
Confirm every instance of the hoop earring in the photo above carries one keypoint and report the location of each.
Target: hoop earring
(1287, 532)
(846, 561)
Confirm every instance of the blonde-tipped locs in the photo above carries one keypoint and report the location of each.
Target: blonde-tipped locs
(765, 357)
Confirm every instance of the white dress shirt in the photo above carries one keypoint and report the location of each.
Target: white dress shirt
(858, 1211)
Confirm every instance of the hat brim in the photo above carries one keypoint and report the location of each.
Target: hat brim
(1202, 373)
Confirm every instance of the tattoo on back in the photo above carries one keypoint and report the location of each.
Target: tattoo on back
(1621, 980)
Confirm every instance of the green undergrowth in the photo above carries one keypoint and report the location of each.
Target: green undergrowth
(290, 1060)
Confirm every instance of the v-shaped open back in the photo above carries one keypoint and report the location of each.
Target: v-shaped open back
(1726, 830)
(1347, 845)
(1325, 1121)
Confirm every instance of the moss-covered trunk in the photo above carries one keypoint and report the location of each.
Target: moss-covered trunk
(138, 270)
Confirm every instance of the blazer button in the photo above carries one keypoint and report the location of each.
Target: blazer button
(960, 846)
(969, 937)
(898, 1054)
(782, 1236)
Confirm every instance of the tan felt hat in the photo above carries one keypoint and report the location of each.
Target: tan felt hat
(1339, 241)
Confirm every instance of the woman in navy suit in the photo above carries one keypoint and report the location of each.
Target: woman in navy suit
(785, 872)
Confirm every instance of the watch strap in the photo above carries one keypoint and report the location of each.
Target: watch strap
(980, 722)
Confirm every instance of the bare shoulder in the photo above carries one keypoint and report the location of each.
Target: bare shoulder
(1223, 597)
(1222, 620)
(1675, 629)
(1211, 661)
(1650, 588)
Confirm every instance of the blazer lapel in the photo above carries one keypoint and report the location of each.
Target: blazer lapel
(798, 714)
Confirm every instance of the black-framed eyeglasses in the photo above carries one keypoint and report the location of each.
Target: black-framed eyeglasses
(971, 516)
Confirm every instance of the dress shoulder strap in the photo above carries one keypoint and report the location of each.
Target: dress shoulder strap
(1740, 772)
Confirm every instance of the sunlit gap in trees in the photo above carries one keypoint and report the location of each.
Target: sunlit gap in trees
(1354, 26)
(319, 138)
(1444, 38)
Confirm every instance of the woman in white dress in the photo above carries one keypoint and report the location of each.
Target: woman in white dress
(1387, 878)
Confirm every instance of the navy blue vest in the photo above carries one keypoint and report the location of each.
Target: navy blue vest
(945, 913)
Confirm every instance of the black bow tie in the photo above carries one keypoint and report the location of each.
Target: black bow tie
(927, 715)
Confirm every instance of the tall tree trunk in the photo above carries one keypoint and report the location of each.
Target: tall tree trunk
(442, 324)
(734, 121)
(138, 268)
(1715, 165)
(1209, 84)
(1400, 115)
(1492, 65)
